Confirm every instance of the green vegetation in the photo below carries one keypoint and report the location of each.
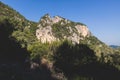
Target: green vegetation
(98, 46)
(38, 50)
(79, 62)
(61, 29)
(24, 30)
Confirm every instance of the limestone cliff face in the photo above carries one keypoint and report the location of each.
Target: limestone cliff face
(58, 28)
(44, 34)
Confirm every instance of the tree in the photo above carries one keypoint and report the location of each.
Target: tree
(68, 58)
(12, 56)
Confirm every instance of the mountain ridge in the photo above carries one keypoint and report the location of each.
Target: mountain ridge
(114, 46)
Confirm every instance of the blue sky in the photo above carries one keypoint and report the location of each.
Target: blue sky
(101, 16)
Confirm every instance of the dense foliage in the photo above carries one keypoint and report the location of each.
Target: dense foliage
(79, 62)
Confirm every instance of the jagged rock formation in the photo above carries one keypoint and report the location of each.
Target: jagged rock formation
(45, 34)
(58, 28)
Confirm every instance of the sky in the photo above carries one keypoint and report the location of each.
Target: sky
(102, 17)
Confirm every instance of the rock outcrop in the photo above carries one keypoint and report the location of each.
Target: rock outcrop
(44, 34)
(57, 28)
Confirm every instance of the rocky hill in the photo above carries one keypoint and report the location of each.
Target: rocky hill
(58, 28)
(52, 29)
(55, 48)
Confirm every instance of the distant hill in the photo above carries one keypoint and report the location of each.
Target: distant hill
(114, 46)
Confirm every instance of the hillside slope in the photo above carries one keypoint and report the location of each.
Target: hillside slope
(56, 28)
